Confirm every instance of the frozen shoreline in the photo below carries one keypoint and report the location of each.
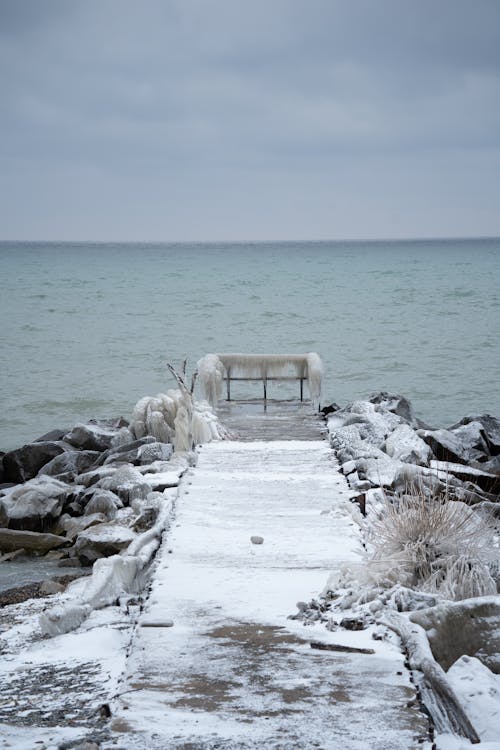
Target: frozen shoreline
(378, 445)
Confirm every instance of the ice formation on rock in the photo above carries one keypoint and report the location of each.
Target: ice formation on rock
(175, 417)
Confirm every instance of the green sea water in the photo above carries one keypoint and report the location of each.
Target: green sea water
(86, 328)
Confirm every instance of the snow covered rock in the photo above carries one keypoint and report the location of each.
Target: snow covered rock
(483, 432)
(11, 539)
(104, 502)
(396, 404)
(447, 446)
(482, 479)
(74, 526)
(95, 436)
(126, 482)
(102, 540)
(405, 445)
(70, 463)
(35, 505)
(24, 463)
(471, 627)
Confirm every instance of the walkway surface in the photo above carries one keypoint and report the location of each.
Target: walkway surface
(215, 662)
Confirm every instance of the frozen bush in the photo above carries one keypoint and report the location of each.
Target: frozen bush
(434, 545)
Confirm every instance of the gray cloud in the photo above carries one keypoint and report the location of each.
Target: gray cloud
(187, 119)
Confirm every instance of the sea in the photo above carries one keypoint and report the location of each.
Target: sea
(88, 328)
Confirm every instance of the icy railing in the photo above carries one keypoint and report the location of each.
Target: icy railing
(213, 369)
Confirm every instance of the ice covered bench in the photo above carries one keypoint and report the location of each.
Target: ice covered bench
(213, 369)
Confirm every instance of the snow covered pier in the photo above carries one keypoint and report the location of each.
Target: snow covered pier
(215, 661)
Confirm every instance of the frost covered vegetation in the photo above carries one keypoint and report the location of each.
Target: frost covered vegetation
(432, 544)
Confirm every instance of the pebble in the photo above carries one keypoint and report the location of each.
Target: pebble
(257, 539)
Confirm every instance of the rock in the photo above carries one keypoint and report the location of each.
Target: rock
(92, 477)
(128, 452)
(12, 539)
(482, 479)
(71, 464)
(69, 562)
(51, 436)
(396, 404)
(348, 467)
(383, 470)
(17, 554)
(353, 623)
(329, 409)
(489, 428)
(4, 516)
(127, 482)
(93, 436)
(103, 502)
(51, 587)
(405, 445)
(147, 622)
(102, 540)
(25, 463)
(469, 627)
(35, 505)
(445, 445)
(74, 526)
(257, 539)
(3, 477)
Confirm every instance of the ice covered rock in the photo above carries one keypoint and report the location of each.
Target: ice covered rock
(481, 432)
(74, 526)
(70, 463)
(471, 627)
(35, 505)
(405, 445)
(383, 470)
(447, 446)
(397, 404)
(126, 482)
(95, 436)
(482, 479)
(102, 540)
(24, 463)
(103, 502)
(12, 539)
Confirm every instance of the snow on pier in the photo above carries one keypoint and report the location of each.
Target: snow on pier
(215, 661)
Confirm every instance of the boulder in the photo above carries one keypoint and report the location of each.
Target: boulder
(74, 526)
(102, 540)
(127, 482)
(35, 505)
(445, 445)
(24, 463)
(471, 627)
(142, 451)
(11, 539)
(93, 436)
(70, 464)
(51, 587)
(104, 502)
(484, 480)
(405, 445)
(53, 435)
(473, 440)
(490, 430)
(396, 404)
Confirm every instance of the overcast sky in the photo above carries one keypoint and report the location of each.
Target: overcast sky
(249, 119)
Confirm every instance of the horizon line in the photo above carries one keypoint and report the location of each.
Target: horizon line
(358, 240)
